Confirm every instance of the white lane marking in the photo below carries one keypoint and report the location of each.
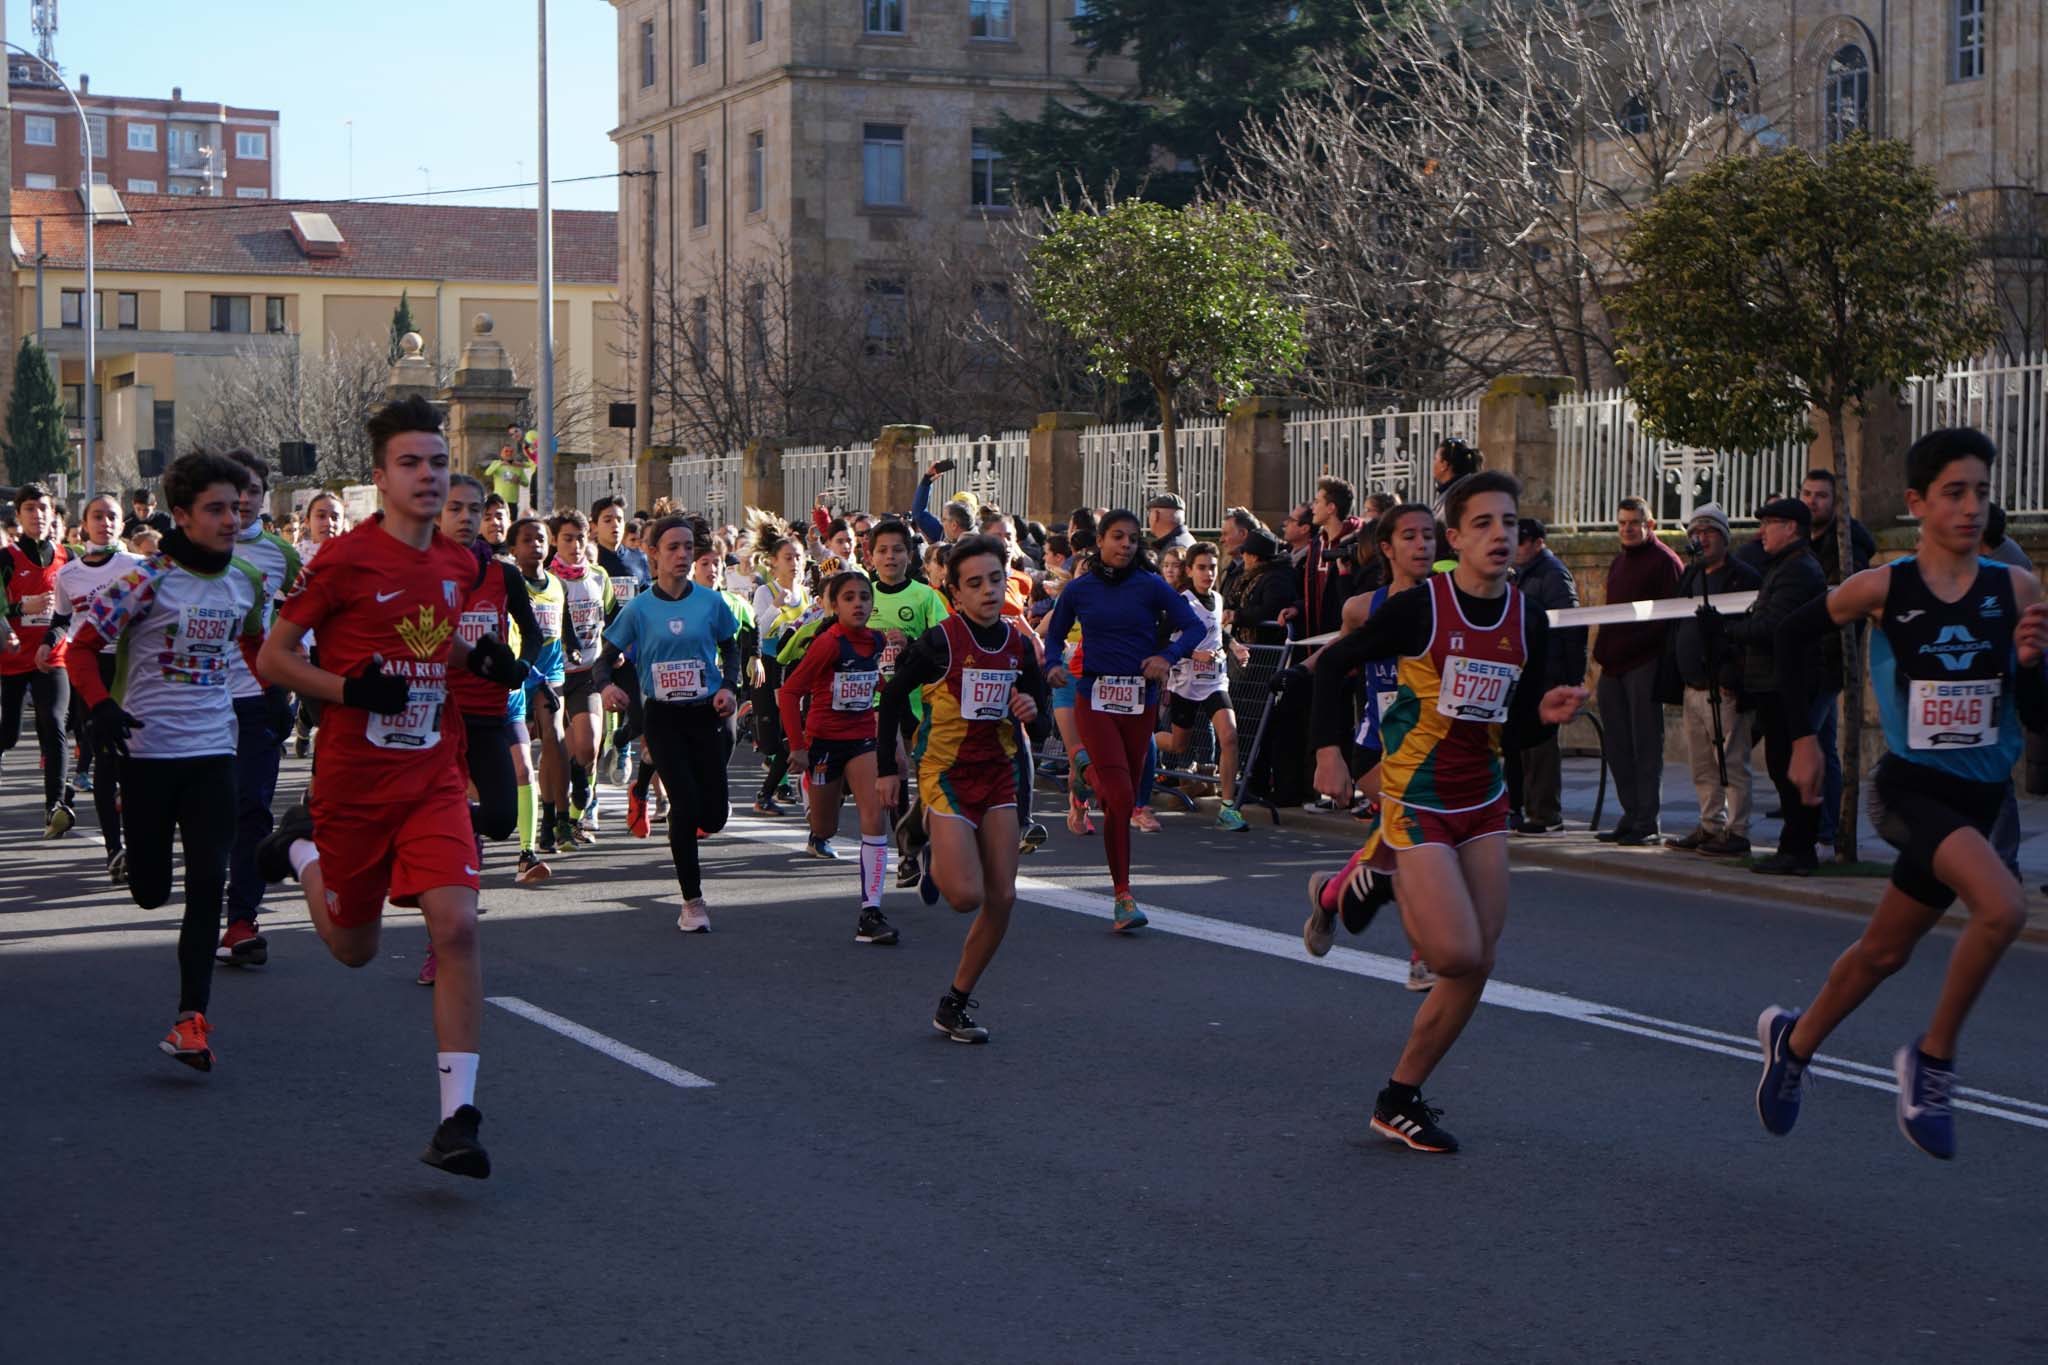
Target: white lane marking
(610, 1047)
(1526, 999)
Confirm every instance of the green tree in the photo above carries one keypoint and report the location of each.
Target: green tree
(1768, 288)
(37, 446)
(401, 323)
(1190, 296)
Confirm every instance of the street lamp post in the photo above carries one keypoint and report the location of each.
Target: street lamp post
(90, 322)
(544, 491)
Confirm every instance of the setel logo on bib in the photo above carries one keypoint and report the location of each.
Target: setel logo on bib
(1953, 715)
(1476, 689)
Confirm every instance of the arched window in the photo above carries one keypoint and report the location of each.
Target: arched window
(1732, 90)
(1845, 108)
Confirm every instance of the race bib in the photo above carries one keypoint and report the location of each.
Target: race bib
(418, 726)
(1120, 696)
(1953, 715)
(887, 663)
(476, 623)
(624, 589)
(855, 691)
(985, 693)
(679, 680)
(587, 614)
(548, 616)
(1476, 689)
(36, 618)
(1207, 674)
(206, 632)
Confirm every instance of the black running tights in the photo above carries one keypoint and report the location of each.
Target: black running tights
(690, 744)
(495, 813)
(195, 798)
(52, 695)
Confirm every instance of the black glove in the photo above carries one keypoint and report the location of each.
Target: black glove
(1711, 622)
(375, 690)
(110, 727)
(494, 662)
(550, 695)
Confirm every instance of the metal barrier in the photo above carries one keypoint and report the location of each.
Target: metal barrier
(1251, 694)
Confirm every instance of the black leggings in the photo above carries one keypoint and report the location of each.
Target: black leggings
(195, 797)
(495, 812)
(106, 793)
(690, 745)
(769, 740)
(52, 694)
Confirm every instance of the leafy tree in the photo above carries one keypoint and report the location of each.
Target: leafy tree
(36, 442)
(1190, 296)
(1767, 288)
(401, 323)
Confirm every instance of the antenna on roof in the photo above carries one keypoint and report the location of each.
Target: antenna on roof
(43, 19)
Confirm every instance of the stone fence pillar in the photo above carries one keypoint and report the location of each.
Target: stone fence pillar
(1515, 435)
(482, 401)
(1055, 482)
(760, 478)
(893, 473)
(650, 477)
(1255, 459)
(412, 374)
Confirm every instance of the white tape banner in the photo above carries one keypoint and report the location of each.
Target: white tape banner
(1661, 609)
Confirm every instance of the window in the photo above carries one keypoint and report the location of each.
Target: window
(885, 16)
(74, 409)
(887, 317)
(700, 333)
(1732, 91)
(646, 53)
(1845, 94)
(166, 424)
(127, 318)
(142, 137)
(230, 312)
(39, 130)
(252, 146)
(700, 34)
(881, 164)
(1969, 40)
(757, 172)
(757, 20)
(100, 178)
(989, 185)
(183, 187)
(700, 189)
(142, 187)
(251, 192)
(96, 124)
(41, 180)
(1634, 116)
(990, 19)
(273, 315)
(71, 308)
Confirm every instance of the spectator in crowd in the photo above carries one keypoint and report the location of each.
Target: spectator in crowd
(1544, 580)
(1818, 492)
(1377, 505)
(1166, 520)
(1330, 567)
(1792, 578)
(1237, 524)
(1079, 520)
(2000, 546)
(1712, 676)
(1632, 721)
(144, 513)
(2005, 834)
(1454, 460)
(1296, 531)
(1267, 593)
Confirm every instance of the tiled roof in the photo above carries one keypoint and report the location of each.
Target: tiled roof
(179, 234)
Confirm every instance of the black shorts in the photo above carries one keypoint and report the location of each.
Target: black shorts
(1185, 713)
(829, 758)
(1917, 807)
(580, 690)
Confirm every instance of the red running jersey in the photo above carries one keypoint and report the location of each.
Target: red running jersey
(30, 628)
(836, 681)
(483, 613)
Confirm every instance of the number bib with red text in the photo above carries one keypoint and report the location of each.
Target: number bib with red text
(1476, 689)
(855, 691)
(985, 693)
(679, 680)
(1954, 715)
(1118, 696)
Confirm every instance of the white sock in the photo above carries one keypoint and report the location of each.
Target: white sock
(458, 1080)
(301, 853)
(874, 861)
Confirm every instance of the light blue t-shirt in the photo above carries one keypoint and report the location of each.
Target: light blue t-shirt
(673, 642)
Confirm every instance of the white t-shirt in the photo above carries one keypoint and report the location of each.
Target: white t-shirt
(177, 638)
(1194, 681)
(80, 581)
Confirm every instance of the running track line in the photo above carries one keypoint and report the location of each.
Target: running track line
(1526, 999)
(610, 1047)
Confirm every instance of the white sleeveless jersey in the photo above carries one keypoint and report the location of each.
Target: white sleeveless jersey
(1198, 682)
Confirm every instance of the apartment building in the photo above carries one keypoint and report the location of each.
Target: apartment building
(141, 145)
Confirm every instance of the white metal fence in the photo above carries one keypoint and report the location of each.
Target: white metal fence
(709, 486)
(594, 481)
(2007, 400)
(1605, 454)
(994, 468)
(1120, 467)
(1388, 451)
(839, 475)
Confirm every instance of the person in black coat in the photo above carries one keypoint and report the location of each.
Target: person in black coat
(1536, 774)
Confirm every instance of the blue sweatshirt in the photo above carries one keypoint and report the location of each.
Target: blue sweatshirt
(1120, 625)
(920, 513)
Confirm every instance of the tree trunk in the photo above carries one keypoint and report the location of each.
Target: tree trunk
(1850, 731)
(1169, 444)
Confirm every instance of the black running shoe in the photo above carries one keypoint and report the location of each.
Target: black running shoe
(874, 928)
(1413, 1123)
(1363, 896)
(455, 1148)
(953, 1020)
(274, 854)
(908, 873)
(1032, 839)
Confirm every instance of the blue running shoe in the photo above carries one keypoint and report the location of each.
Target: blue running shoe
(1926, 1113)
(1784, 1082)
(927, 884)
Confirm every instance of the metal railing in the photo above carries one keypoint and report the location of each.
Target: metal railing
(994, 468)
(2007, 400)
(594, 481)
(1120, 467)
(1385, 451)
(1605, 453)
(839, 475)
(709, 486)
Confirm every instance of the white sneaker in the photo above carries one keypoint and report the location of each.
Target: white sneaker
(694, 919)
(1420, 977)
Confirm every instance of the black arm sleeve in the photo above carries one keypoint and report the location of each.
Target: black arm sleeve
(2030, 695)
(1031, 679)
(608, 659)
(1402, 625)
(923, 662)
(729, 664)
(519, 606)
(1794, 658)
(12, 609)
(1525, 727)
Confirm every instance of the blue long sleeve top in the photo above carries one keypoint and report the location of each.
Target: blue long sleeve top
(921, 513)
(1120, 625)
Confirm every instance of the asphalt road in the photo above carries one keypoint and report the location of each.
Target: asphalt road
(1162, 1155)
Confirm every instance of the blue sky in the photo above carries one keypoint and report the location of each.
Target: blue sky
(444, 84)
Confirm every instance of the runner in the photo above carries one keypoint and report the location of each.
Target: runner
(539, 802)
(324, 521)
(588, 604)
(683, 643)
(1471, 649)
(389, 812)
(977, 673)
(79, 583)
(28, 578)
(1955, 662)
(1198, 689)
(828, 707)
(1120, 603)
(608, 538)
(779, 603)
(167, 726)
(905, 608)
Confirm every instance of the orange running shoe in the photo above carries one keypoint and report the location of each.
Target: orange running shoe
(190, 1041)
(637, 823)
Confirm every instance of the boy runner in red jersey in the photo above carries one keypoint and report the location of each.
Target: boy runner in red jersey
(389, 812)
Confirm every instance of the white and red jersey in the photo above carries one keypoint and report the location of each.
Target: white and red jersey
(27, 580)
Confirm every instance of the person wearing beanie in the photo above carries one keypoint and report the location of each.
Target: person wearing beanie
(1712, 675)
